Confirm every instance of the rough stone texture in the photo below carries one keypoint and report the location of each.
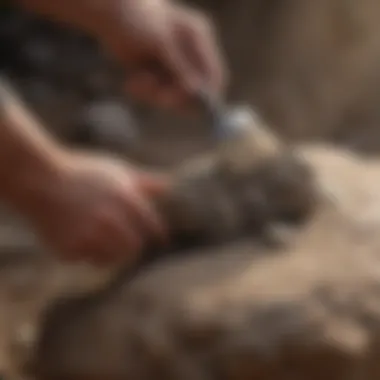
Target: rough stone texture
(250, 184)
(308, 309)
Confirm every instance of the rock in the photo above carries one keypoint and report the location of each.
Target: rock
(109, 123)
(249, 184)
(309, 309)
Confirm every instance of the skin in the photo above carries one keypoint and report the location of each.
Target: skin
(85, 206)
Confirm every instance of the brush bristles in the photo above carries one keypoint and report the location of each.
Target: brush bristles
(251, 143)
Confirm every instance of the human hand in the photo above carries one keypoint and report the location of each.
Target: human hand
(169, 51)
(97, 209)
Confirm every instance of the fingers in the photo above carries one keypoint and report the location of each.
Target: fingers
(202, 49)
(117, 232)
(108, 239)
(144, 216)
(117, 240)
(124, 233)
(148, 87)
(114, 237)
(190, 52)
(172, 54)
(189, 59)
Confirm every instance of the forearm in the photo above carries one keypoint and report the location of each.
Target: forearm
(29, 157)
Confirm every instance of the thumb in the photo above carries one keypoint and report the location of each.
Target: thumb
(180, 66)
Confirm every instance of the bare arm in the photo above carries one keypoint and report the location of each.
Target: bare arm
(93, 207)
(29, 157)
(83, 206)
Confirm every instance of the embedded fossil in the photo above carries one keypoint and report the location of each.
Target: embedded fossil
(246, 186)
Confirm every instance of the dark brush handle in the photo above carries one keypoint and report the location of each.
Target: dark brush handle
(216, 111)
(211, 106)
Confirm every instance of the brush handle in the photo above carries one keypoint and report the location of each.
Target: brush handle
(213, 107)
(217, 113)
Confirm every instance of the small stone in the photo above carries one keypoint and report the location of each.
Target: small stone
(110, 123)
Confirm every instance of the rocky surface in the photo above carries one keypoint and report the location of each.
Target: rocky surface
(306, 309)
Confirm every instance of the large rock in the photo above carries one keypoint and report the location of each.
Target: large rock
(306, 309)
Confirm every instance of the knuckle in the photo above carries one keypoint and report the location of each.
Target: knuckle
(203, 23)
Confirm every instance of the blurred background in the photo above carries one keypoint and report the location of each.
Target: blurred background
(311, 68)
